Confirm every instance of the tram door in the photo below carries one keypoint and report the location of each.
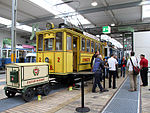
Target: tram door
(74, 54)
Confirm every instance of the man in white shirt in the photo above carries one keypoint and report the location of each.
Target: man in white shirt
(133, 78)
(112, 62)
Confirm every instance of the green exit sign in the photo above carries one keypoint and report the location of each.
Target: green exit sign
(106, 29)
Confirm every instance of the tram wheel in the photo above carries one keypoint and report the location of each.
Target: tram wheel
(46, 89)
(28, 94)
(9, 93)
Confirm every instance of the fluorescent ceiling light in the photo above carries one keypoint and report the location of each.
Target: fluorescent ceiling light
(146, 11)
(8, 23)
(97, 35)
(113, 24)
(94, 3)
(25, 28)
(5, 21)
(63, 11)
(146, 2)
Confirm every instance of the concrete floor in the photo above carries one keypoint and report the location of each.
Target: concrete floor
(145, 94)
(65, 101)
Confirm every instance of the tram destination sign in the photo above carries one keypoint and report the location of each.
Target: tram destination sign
(106, 29)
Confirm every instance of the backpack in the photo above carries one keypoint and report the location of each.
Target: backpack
(136, 69)
(97, 65)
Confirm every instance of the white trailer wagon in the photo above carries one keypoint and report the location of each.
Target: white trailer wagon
(27, 79)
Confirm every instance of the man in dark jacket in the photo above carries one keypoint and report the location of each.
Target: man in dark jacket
(98, 66)
(93, 57)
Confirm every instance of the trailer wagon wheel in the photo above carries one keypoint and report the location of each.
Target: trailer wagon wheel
(46, 89)
(9, 93)
(28, 94)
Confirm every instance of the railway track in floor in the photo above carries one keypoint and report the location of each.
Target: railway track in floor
(8, 103)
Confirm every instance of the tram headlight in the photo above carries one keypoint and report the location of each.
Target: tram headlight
(47, 59)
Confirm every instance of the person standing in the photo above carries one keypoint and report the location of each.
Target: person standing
(106, 68)
(112, 62)
(123, 66)
(144, 70)
(93, 57)
(116, 67)
(132, 77)
(97, 69)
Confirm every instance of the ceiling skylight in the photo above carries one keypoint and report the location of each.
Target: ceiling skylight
(8, 22)
(146, 11)
(61, 10)
(5, 21)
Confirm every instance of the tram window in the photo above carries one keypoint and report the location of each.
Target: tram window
(92, 46)
(88, 45)
(59, 41)
(40, 43)
(83, 44)
(21, 53)
(95, 46)
(33, 59)
(99, 48)
(28, 59)
(17, 54)
(4, 53)
(49, 44)
(9, 53)
(69, 43)
(74, 42)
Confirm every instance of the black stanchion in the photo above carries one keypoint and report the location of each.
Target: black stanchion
(104, 78)
(82, 108)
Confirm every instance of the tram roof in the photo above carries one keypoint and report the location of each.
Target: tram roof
(84, 34)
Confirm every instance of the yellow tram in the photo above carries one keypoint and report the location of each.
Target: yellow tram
(66, 50)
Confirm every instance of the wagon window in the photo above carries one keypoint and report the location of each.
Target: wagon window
(83, 44)
(49, 44)
(95, 46)
(40, 42)
(92, 46)
(69, 42)
(88, 45)
(4, 53)
(59, 41)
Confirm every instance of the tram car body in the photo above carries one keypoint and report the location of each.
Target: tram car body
(26, 78)
(20, 55)
(66, 50)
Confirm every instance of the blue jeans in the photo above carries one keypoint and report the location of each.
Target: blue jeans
(123, 71)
